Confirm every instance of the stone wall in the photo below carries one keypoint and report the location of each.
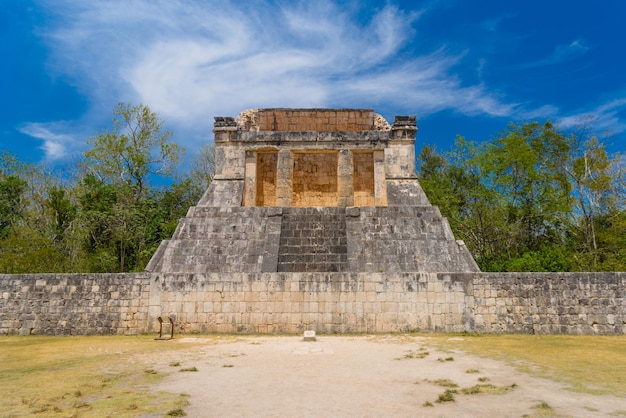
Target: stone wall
(363, 179)
(548, 303)
(314, 181)
(295, 120)
(564, 303)
(74, 304)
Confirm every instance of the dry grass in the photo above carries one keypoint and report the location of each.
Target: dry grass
(592, 364)
(95, 376)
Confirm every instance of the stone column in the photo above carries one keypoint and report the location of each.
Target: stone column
(284, 172)
(345, 173)
(380, 183)
(249, 186)
(400, 156)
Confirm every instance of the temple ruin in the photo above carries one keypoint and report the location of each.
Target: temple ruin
(313, 190)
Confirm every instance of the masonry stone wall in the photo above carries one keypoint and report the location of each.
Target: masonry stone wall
(363, 179)
(314, 181)
(542, 303)
(548, 303)
(314, 120)
(74, 304)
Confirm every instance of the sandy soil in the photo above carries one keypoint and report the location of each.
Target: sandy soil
(362, 376)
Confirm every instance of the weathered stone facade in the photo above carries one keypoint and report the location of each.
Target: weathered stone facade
(310, 190)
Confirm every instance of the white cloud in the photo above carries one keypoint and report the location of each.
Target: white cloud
(561, 53)
(191, 60)
(605, 117)
(55, 146)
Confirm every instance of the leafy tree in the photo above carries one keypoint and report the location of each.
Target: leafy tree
(135, 148)
(63, 212)
(118, 208)
(526, 166)
(11, 190)
(203, 166)
(507, 198)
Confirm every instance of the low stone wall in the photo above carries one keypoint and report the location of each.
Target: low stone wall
(74, 304)
(566, 303)
(548, 303)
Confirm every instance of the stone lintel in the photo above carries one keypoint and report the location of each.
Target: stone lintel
(372, 139)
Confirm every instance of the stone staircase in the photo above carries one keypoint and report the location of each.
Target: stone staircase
(313, 239)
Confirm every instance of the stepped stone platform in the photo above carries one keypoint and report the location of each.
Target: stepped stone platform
(313, 190)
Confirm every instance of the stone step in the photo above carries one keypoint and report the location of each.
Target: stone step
(313, 239)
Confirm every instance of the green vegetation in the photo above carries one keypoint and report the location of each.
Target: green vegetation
(446, 383)
(487, 388)
(532, 199)
(544, 409)
(447, 396)
(102, 214)
(421, 353)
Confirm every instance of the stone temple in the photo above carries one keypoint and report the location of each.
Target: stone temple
(313, 190)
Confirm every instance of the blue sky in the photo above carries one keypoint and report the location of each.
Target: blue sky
(462, 67)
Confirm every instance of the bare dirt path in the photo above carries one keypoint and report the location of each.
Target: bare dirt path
(362, 376)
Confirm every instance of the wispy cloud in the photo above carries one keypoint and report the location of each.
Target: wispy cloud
(192, 60)
(55, 146)
(561, 53)
(607, 117)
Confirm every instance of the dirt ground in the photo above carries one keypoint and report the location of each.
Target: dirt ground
(361, 376)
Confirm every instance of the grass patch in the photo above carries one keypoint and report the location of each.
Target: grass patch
(447, 396)
(174, 364)
(178, 412)
(446, 383)
(487, 388)
(472, 371)
(413, 354)
(587, 363)
(189, 369)
(543, 409)
(443, 360)
(92, 375)
(228, 365)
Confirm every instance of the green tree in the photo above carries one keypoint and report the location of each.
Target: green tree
(135, 148)
(11, 209)
(526, 166)
(119, 210)
(63, 212)
(203, 167)
(508, 198)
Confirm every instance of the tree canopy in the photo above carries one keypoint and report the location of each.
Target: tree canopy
(105, 217)
(532, 199)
